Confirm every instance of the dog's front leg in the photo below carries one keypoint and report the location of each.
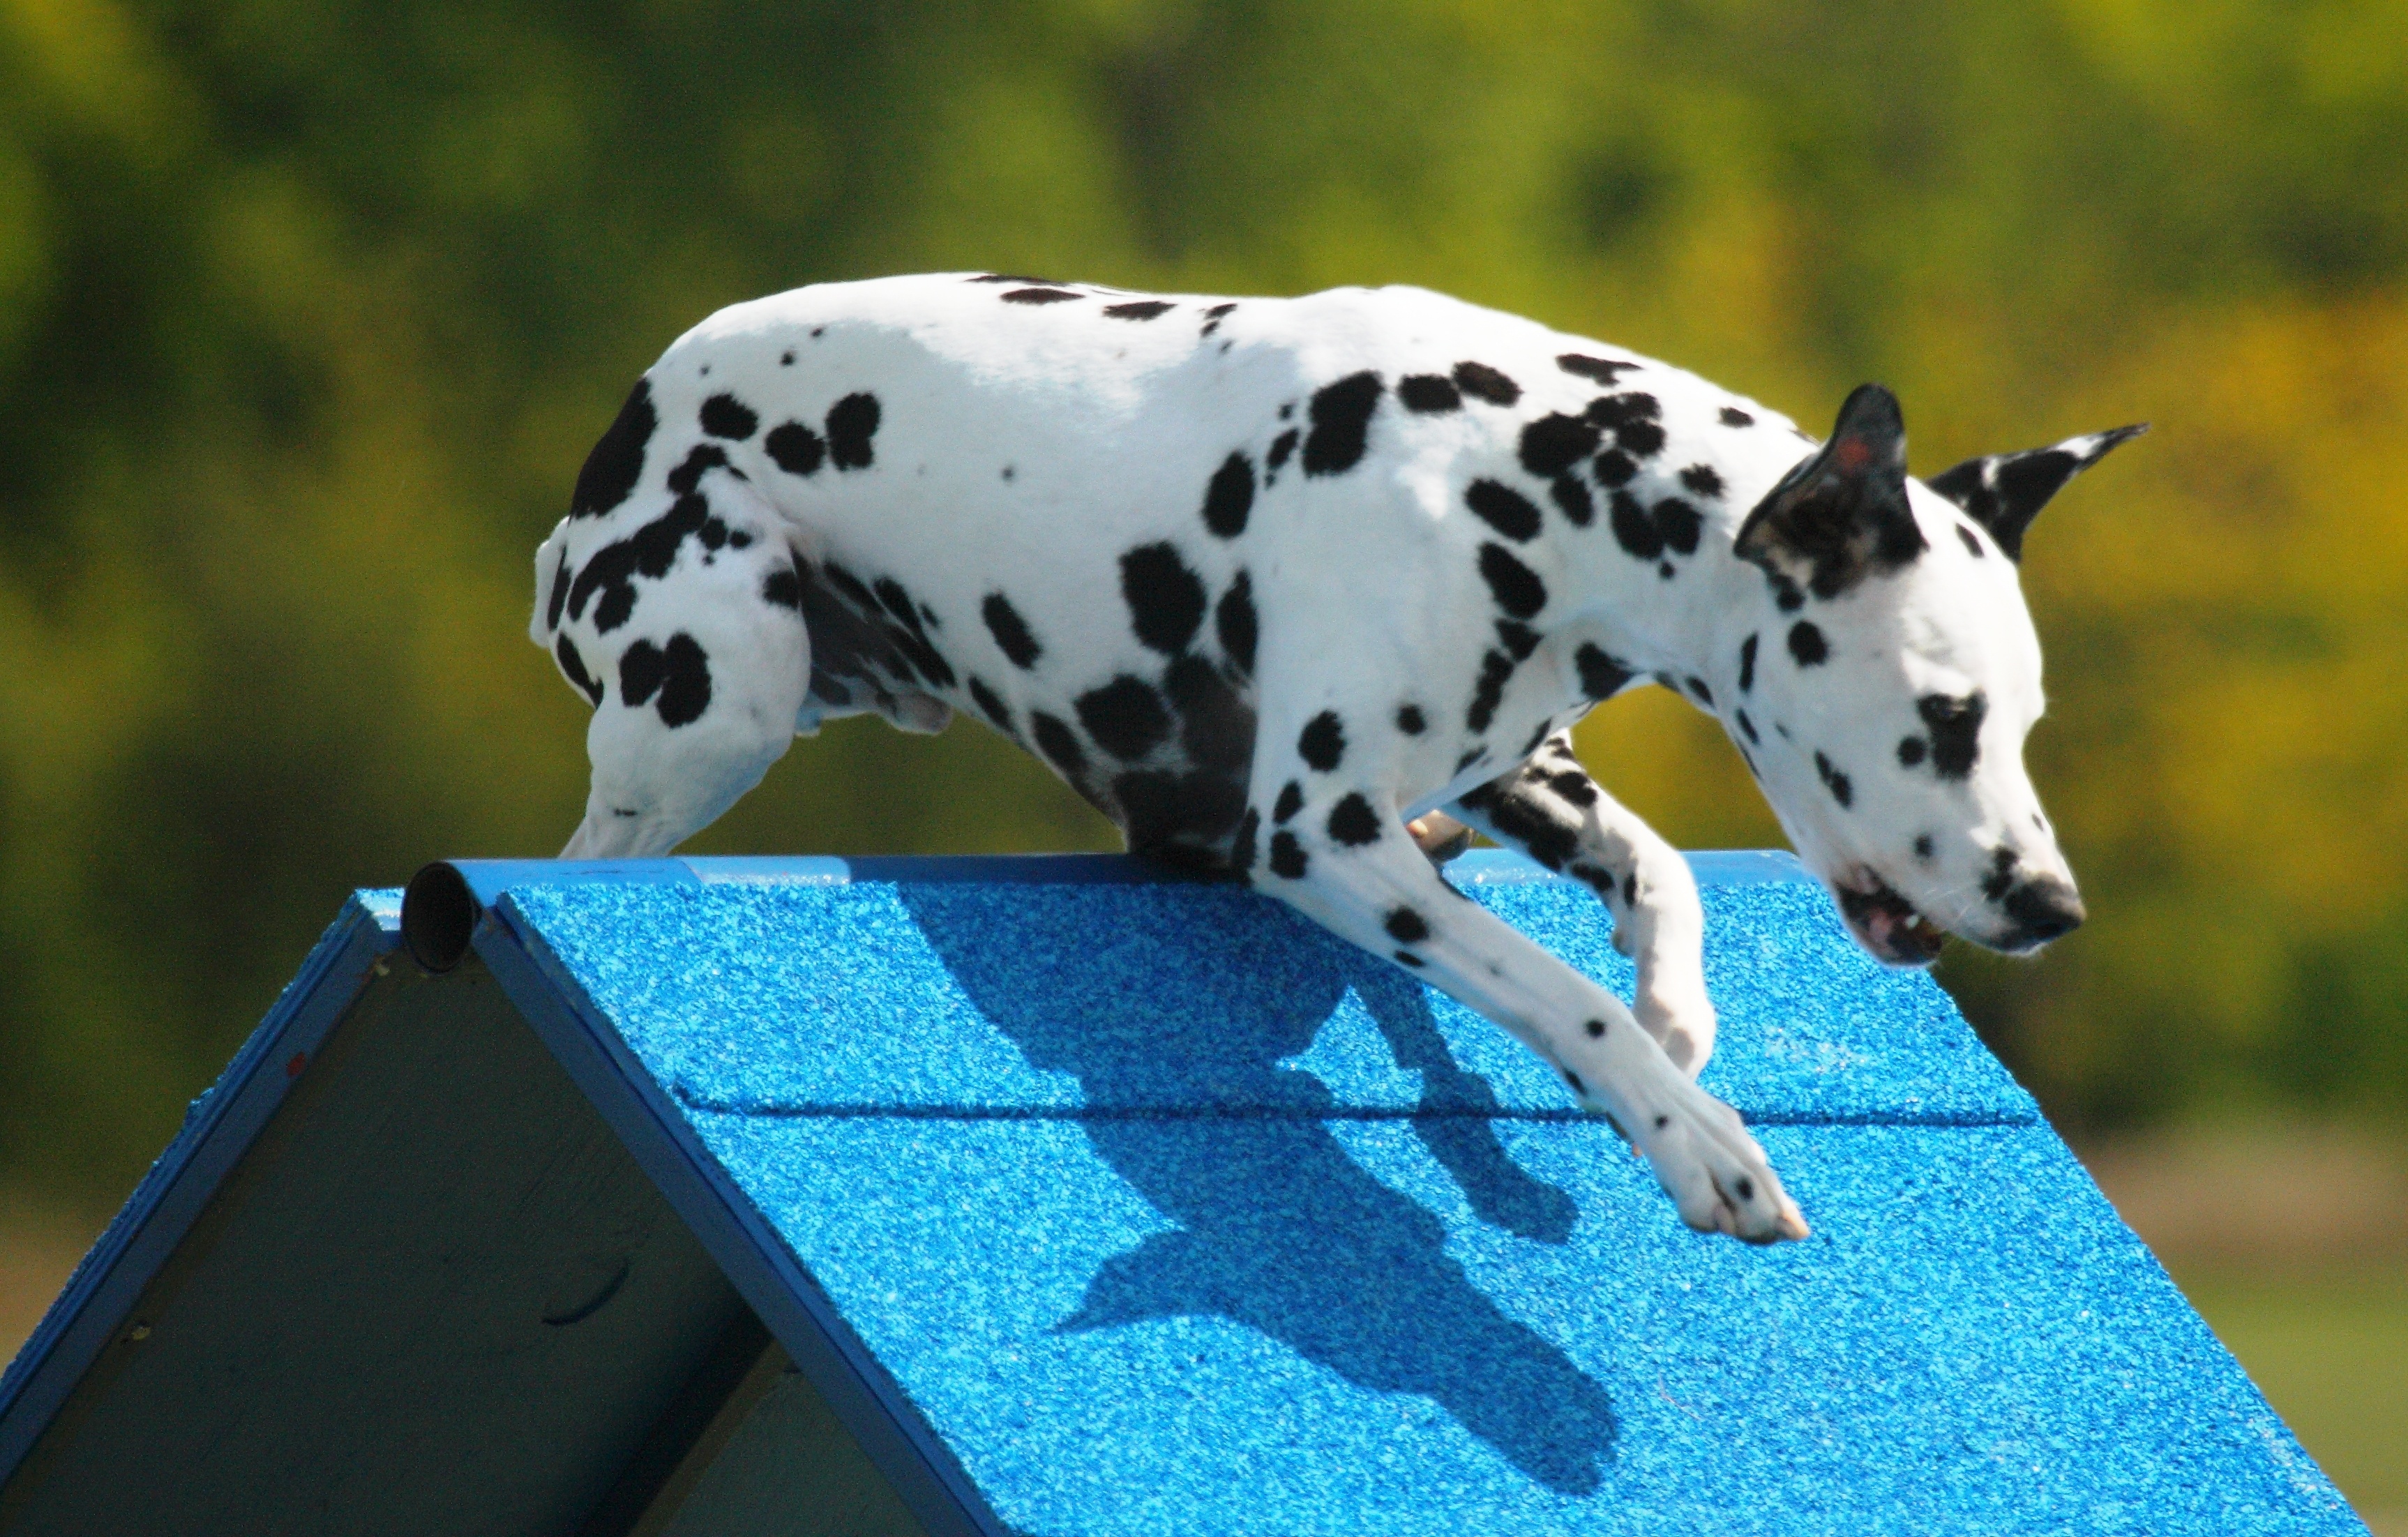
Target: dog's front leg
(1552, 810)
(1341, 854)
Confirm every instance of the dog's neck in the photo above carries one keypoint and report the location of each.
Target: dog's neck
(1678, 626)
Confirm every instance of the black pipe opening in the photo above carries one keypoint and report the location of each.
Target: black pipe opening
(439, 916)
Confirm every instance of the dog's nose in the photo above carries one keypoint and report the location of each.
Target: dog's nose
(2043, 908)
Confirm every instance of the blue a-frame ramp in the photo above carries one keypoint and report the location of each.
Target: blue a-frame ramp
(1083, 1201)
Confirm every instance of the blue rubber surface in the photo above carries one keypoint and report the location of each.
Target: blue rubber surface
(1166, 1213)
(804, 998)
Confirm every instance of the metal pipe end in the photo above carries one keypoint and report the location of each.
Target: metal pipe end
(439, 916)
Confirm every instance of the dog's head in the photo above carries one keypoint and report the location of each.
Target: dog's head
(1887, 674)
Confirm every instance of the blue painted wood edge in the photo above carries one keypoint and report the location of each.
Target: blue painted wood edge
(489, 878)
(218, 1130)
(871, 1405)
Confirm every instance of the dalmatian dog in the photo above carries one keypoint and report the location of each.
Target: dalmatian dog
(1294, 589)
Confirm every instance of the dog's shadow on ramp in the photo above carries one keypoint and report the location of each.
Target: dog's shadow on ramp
(1278, 1227)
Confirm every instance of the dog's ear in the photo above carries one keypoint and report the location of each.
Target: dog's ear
(1840, 515)
(2004, 492)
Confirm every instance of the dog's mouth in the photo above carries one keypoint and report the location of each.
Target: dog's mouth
(1886, 923)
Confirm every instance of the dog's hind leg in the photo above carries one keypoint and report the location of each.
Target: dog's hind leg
(1552, 810)
(1340, 852)
(699, 691)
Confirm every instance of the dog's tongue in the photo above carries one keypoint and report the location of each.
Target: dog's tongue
(1882, 927)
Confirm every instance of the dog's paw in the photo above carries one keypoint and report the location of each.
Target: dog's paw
(1711, 1168)
(1681, 1020)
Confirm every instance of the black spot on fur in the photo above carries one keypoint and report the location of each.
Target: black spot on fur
(1410, 722)
(1281, 445)
(852, 422)
(725, 416)
(1406, 925)
(1322, 743)
(1241, 851)
(1059, 743)
(1705, 695)
(1039, 296)
(1602, 370)
(1553, 443)
(1911, 751)
(1233, 620)
(1341, 422)
(1216, 725)
(1633, 418)
(1573, 500)
(1352, 822)
(1747, 728)
(991, 704)
(1483, 382)
(617, 461)
(851, 587)
(1923, 846)
(689, 472)
(1519, 639)
(907, 635)
(1011, 631)
(1601, 677)
(1406, 957)
(794, 447)
(1125, 717)
(1291, 800)
(1955, 731)
(1842, 789)
(1516, 588)
(1140, 310)
(1734, 417)
(1972, 541)
(1474, 756)
(783, 588)
(1806, 643)
(1516, 813)
(650, 551)
(1680, 524)
(559, 593)
(1613, 468)
(1503, 509)
(2000, 877)
(680, 674)
(1574, 785)
(1633, 529)
(572, 666)
(1165, 600)
(1703, 481)
(1230, 497)
(1428, 393)
(738, 539)
(1747, 664)
(1287, 856)
(1596, 1028)
(1496, 669)
(1574, 1080)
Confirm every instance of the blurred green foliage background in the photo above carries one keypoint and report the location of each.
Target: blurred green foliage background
(309, 312)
